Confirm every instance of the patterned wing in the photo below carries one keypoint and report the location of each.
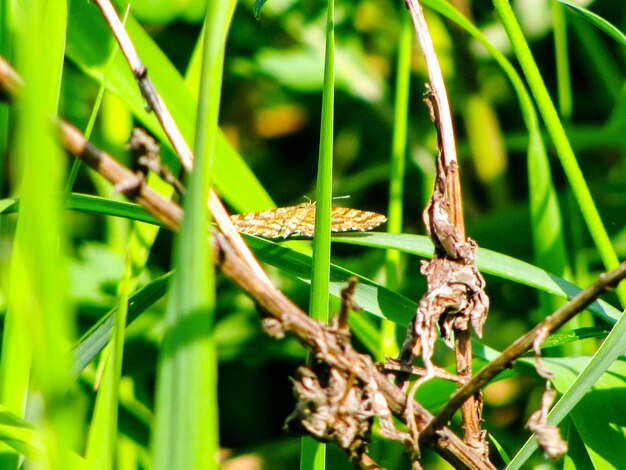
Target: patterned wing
(305, 221)
(277, 223)
(344, 219)
(267, 223)
(300, 219)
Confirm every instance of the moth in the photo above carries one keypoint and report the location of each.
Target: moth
(300, 220)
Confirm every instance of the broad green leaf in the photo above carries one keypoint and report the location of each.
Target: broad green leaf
(487, 261)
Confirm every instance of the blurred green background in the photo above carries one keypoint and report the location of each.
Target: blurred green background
(270, 113)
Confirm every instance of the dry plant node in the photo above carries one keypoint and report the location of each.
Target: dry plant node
(548, 436)
(144, 150)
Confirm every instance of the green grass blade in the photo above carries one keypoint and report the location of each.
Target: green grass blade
(563, 148)
(103, 206)
(101, 441)
(324, 195)
(95, 339)
(313, 453)
(389, 345)
(562, 62)
(572, 336)
(598, 21)
(605, 69)
(39, 319)
(186, 432)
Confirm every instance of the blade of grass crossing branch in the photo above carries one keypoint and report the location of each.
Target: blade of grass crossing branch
(103, 431)
(313, 454)
(389, 344)
(186, 434)
(605, 356)
(562, 145)
(38, 321)
(553, 257)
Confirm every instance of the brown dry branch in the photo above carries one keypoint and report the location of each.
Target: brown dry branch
(455, 297)
(393, 366)
(325, 343)
(73, 141)
(331, 347)
(10, 82)
(523, 344)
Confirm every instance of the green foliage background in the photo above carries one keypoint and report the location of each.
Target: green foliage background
(526, 194)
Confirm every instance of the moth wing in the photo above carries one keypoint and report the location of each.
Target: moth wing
(344, 219)
(305, 220)
(267, 223)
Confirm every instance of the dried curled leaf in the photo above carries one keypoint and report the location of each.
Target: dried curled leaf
(332, 409)
(336, 406)
(454, 299)
(548, 436)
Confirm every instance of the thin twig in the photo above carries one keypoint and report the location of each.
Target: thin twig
(74, 142)
(393, 365)
(156, 104)
(146, 86)
(10, 81)
(552, 323)
(444, 117)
